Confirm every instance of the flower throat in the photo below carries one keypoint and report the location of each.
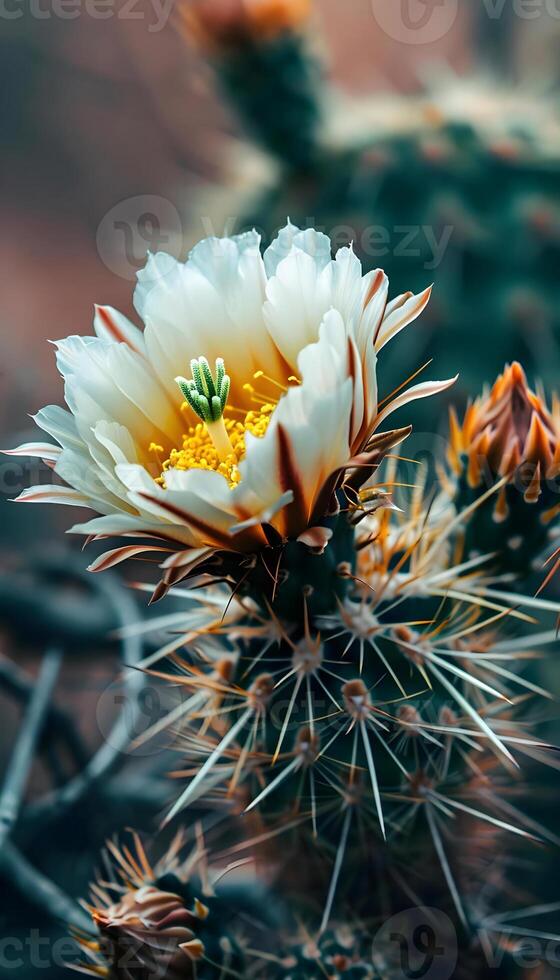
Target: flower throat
(217, 441)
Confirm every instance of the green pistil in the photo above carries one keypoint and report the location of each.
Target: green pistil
(206, 395)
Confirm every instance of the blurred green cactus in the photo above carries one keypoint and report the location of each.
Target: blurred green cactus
(459, 186)
(265, 68)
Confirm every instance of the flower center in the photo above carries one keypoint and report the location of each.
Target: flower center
(217, 442)
(199, 452)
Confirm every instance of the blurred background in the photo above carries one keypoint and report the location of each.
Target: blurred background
(435, 148)
(426, 132)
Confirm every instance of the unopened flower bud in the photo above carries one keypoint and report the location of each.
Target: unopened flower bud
(231, 23)
(509, 439)
(148, 933)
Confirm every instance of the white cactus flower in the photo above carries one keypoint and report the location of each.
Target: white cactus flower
(238, 409)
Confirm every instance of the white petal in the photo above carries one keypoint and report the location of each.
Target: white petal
(374, 304)
(52, 494)
(348, 286)
(211, 306)
(110, 381)
(312, 242)
(307, 439)
(265, 514)
(96, 484)
(217, 259)
(111, 524)
(341, 337)
(137, 382)
(423, 390)
(117, 440)
(130, 525)
(109, 324)
(60, 424)
(400, 314)
(298, 297)
(158, 272)
(198, 500)
(38, 450)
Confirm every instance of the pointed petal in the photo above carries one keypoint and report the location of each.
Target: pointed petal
(401, 316)
(424, 390)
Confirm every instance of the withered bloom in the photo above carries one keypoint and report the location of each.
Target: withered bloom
(509, 436)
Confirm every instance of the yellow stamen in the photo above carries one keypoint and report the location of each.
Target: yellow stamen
(156, 450)
(199, 449)
(260, 374)
(216, 442)
(256, 396)
(259, 397)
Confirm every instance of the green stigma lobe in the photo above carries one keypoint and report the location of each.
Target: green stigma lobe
(207, 395)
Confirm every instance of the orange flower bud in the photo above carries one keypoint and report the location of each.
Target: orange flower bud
(506, 458)
(508, 432)
(227, 23)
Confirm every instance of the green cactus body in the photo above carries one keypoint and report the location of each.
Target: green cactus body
(367, 733)
(339, 954)
(283, 115)
(294, 577)
(519, 539)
